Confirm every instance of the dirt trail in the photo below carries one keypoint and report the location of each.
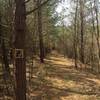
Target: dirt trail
(62, 82)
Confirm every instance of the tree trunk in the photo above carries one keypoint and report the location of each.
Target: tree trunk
(4, 51)
(93, 32)
(98, 32)
(75, 37)
(82, 29)
(20, 26)
(41, 44)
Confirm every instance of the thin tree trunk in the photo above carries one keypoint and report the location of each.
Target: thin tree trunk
(4, 51)
(93, 31)
(75, 36)
(98, 33)
(82, 29)
(41, 44)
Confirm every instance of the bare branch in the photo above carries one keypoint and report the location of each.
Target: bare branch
(4, 25)
(29, 12)
(27, 1)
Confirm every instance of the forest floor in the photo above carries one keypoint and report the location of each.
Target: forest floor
(59, 80)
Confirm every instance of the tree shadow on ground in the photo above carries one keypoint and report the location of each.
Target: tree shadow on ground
(62, 80)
